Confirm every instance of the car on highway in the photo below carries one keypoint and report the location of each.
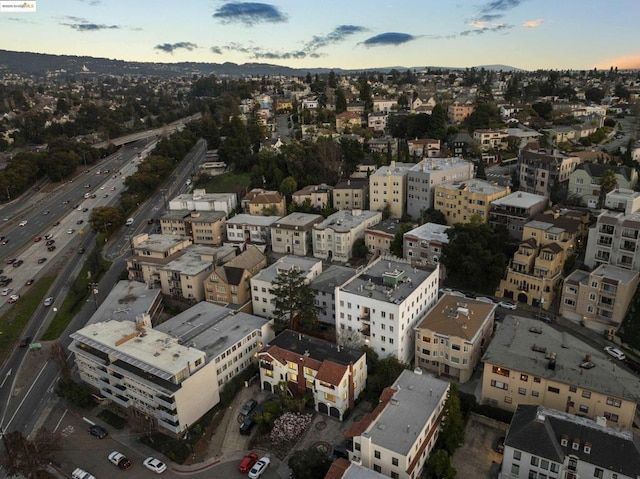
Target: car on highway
(113, 188)
(17, 263)
(95, 430)
(37, 239)
(13, 298)
(80, 250)
(56, 223)
(5, 281)
(6, 291)
(22, 223)
(507, 305)
(118, 459)
(247, 462)
(50, 242)
(106, 195)
(10, 261)
(615, 352)
(259, 467)
(155, 465)
(48, 236)
(49, 302)
(46, 212)
(24, 342)
(51, 248)
(84, 210)
(70, 231)
(102, 187)
(88, 185)
(42, 260)
(29, 282)
(5, 241)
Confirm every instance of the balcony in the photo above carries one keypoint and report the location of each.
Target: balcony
(165, 401)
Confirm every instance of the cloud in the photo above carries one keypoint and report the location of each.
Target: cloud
(172, 47)
(249, 13)
(499, 6)
(389, 38)
(216, 50)
(83, 25)
(337, 35)
(533, 23)
(298, 55)
(93, 3)
(485, 29)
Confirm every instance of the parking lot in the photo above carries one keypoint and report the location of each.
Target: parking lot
(478, 458)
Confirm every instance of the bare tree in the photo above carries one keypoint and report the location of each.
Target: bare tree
(27, 457)
(349, 339)
(59, 355)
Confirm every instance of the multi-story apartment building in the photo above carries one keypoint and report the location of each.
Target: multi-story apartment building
(530, 362)
(462, 200)
(461, 144)
(383, 303)
(173, 373)
(348, 120)
(377, 121)
(230, 283)
(398, 436)
(599, 299)
(246, 229)
(204, 227)
(515, 210)
(334, 375)
(429, 173)
(378, 238)
(452, 337)
(459, 111)
(351, 194)
(548, 443)
(264, 203)
(615, 238)
(184, 276)
(325, 286)
(334, 237)
(151, 252)
(423, 245)
(128, 300)
(424, 148)
(490, 139)
(384, 105)
(319, 196)
(584, 182)
(292, 234)
(200, 200)
(262, 297)
(388, 189)
(540, 170)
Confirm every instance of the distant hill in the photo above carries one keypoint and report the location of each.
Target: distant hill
(41, 64)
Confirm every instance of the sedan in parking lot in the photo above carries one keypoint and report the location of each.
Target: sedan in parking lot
(120, 460)
(259, 467)
(155, 465)
(247, 462)
(95, 430)
(544, 317)
(507, 305)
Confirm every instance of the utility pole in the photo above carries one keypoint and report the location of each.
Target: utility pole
(94, 292)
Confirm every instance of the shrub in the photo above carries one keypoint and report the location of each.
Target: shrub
(289, 426)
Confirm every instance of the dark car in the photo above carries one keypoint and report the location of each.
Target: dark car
(42, 260)
(52, 247)
(80, 250)
(50, 242)
(79, 222)
(24, 342)
(17, 263)
(248, 407)
(29, 282)
(98, 431)
(339, 452)
(247, 426)
(543, 317)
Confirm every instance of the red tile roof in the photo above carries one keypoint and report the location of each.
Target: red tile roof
(361, 426)
(331, 373)
(337, 469)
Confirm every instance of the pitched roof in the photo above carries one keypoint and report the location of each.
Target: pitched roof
(363, 424)
(337, 469)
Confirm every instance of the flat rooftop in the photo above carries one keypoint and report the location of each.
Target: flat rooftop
(297, 219)
(331, 277)
(429, 165)
(513, 345)
(286, 263)
(253, 220)
(345, 220)
(194, 216)
(401, 421)
(190, 263)
(430, 232)
(160, 243)
(474, 186)
(520, 199)
(126, 301)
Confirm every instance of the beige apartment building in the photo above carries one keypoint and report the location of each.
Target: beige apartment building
(461, 201)
(204, 227)
(452, 337)
(319, 196)
(183, 277)
(264, 203)
(458, 111)
(388, 188)
(489, 139)
(351, 194)
(530, 362)
(599, 299)
(293, 233)
(150, 252)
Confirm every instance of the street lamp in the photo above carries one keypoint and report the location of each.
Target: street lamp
(94, 292)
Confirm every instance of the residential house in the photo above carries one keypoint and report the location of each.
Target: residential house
(515, 210)
(584, 182)
(490, 139)
(351, 194)
(423, 177)
(546, 442)
(292, 234)
(325, 285)
(230, 282)
(246, 229)
(599, 299)
(344, 469)
(540, 170)
(530, 362)
(200, 200)
(377, 121)
(203, 227)
(183, 277)
(333, 238)
(348, 120)
(319, 196)
(397, 438)
(461, 144)
(384, 105)
(264, 203)
(333, 374)
(378, 238)
(171, 374)
(383, 303)
(388, 188)
(423, 245)
(452, 337)
(262, 298)
(150, 252)
(458, 111)
(460, 201)
(424, 148)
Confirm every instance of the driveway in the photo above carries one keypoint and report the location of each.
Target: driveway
(477, 458)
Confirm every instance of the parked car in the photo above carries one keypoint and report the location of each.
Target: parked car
(543, 317)
(248, 407)
(259, 467)
(247, 462)
(155, 465)
(507, 305)
(120, 460)
(81, 474)
(615, 352)
(98, 431)
(247, 426)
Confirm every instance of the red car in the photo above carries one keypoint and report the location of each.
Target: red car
(37, 238)
(247, 463)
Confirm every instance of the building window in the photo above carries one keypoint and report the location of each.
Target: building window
(535, 394)
(394, 461)
(586, 394)
(376, 454)
(598, 473)
(515, 469)
(614, 402)
(395, 475)
(534, 461)
(522, 391)
(377, 468)
(524, 377)
(500, 371)
(584, 409)
(553, 390)
(517, 455)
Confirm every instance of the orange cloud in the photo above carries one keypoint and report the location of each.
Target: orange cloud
(533, 23)
(628, 62)
(478, 24)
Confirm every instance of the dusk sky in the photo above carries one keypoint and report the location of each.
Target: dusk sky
(350, 34)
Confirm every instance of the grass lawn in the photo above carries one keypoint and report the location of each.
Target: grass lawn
(13, 322)
(226, 183)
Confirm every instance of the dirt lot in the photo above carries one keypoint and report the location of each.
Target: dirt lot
(477, 457)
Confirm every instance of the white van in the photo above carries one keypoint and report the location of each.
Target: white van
(80, 474)
(129, 222)
(616, 353)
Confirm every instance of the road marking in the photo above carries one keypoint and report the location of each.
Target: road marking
(6, 377)
(25, 396)
(61, 418)
(67, 431)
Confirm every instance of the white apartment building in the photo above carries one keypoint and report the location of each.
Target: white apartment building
(429, 173)
(334, 237)
(200, 200)
(547, 443)
(398, 436)
(388, 187)
(250, 229)
(335, 375)
(172, 373)
(383, 304)
(262, 299)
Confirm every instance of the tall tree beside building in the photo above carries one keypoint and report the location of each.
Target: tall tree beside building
(294, 298)
(341, 101)
(452, 432)
(608, 183)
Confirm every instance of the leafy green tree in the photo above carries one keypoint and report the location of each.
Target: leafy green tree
(396, 245)
(431, 215)
(294, 298)
(106, 218)
(452, 431)
(439, 466)
(481, 173)
(381, 373)
(359, 249)
(543, 108)
(341, 101)
(352, 156)
(309, 464)
(608, 183)
(594, 94)
(365, 93)
(288, 186)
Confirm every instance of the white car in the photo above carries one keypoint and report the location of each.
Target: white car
(507, 305)
(616, 353)
(155, 465)
(6, 291)
(23, 223)
(48, 301)
(259, 467)
(13, 298)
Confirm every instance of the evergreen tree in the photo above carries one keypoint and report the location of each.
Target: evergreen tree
(341, 101)
(608, 183)
(452, 430)
(293, 298)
